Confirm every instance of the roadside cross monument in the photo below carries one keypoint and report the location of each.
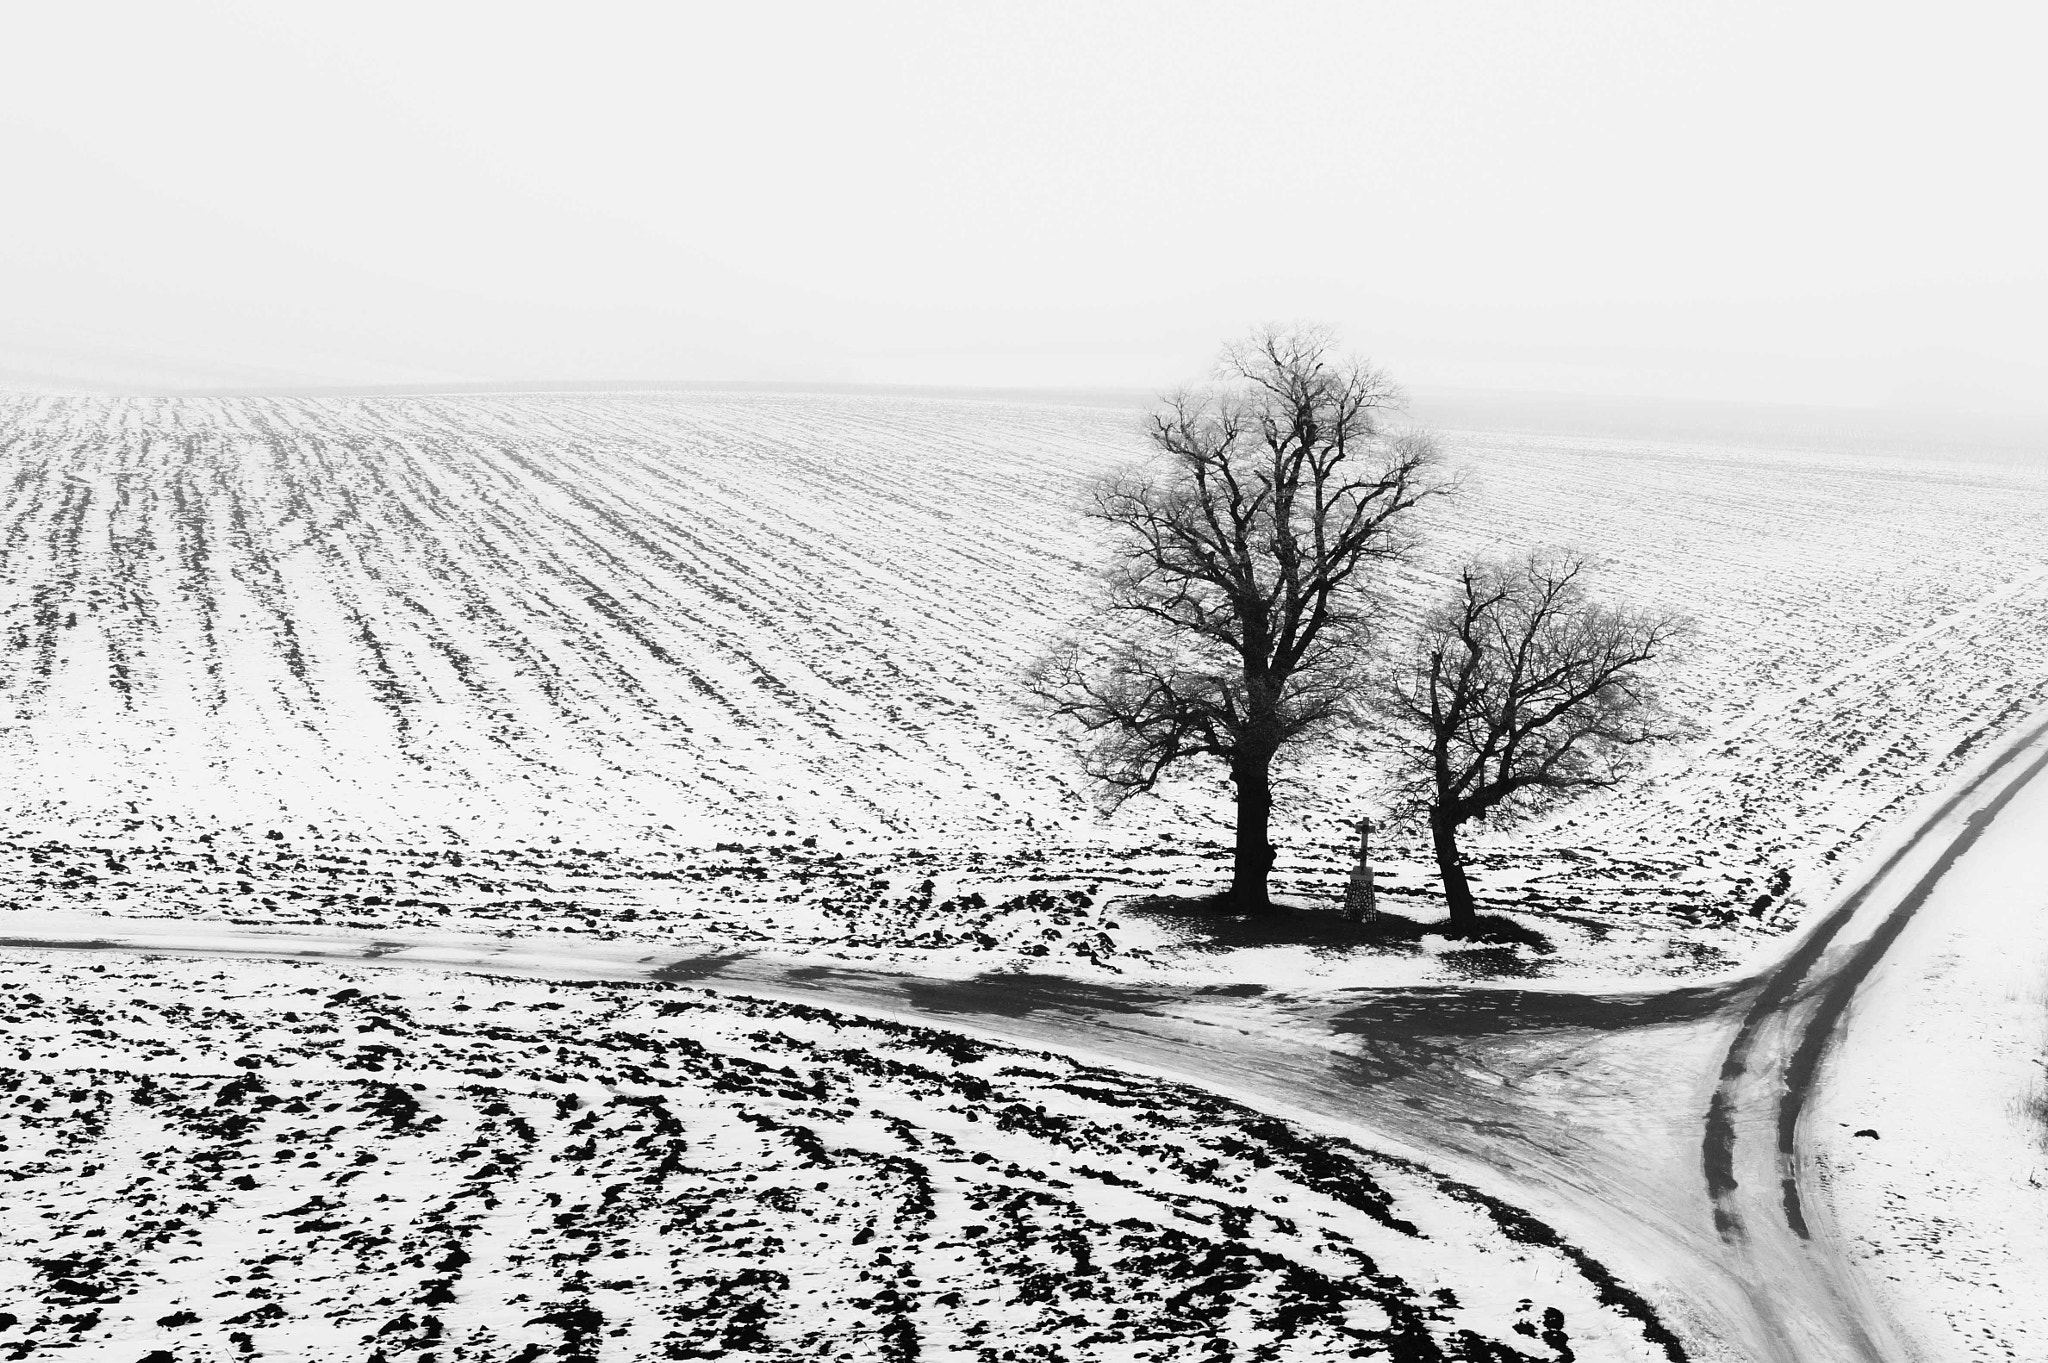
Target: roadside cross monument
(1359, 903)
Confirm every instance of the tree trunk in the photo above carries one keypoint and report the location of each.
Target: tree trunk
(1253, 778)
(1443, 831)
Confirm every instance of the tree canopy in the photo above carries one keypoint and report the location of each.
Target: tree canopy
(1240, 600)
(1521, 689)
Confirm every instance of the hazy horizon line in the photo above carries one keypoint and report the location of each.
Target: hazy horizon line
(2001, 436)
(1026, 391)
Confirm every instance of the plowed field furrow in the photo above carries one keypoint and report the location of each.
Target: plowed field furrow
(654, 621)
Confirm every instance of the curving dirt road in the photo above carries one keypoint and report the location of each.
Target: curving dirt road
(1662, 1129)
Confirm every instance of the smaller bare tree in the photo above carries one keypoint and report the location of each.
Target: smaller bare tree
(1522, 691)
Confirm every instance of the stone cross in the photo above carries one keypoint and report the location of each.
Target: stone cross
(1359, 900)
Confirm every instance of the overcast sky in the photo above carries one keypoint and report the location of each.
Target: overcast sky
(1771, 202)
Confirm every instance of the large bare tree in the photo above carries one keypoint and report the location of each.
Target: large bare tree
(1240, 597)
(1523, 691)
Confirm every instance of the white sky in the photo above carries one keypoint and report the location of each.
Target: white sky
(1771, 202)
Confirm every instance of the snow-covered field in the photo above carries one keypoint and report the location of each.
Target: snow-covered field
(611, 663)
(310, 1162)
(740, 671)
(1932, 1139)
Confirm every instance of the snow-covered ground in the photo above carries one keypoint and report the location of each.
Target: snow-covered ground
(1931, 1133)
(740, 671)
(607, 663)
(208, 1161)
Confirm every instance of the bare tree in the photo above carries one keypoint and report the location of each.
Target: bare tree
(1239, 598)
(1522, 692)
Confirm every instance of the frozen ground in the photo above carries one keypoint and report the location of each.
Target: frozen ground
(306, 1161)
(1559, 1095)
(1650, 1125)
(1932, 1139)
(605, 663)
